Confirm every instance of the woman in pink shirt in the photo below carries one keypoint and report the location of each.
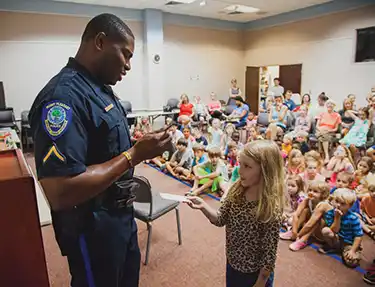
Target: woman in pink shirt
(326, 128)
(214, 107)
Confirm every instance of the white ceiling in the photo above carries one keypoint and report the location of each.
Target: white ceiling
(212, 9)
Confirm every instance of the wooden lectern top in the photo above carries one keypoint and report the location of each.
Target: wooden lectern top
(21, 246)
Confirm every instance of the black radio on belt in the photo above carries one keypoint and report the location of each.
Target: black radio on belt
(122, 194)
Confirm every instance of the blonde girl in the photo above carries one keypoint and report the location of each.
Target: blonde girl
(313, 154)
(318, 191)
(341, 161)
(227, 136)
(296, 194)
(362, 175)
(252, 214)
(254, 135)
(215, 134)
(296, 162)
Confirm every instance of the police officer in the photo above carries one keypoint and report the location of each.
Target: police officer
(85, 160)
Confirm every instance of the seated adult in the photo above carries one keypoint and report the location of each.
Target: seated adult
(234, 92)
(314, 112)
(277, 118)
(326, 128)
(240, 113)
(288, 100)
(347, 120)
(200, 110)
(306, 102)
(186, 108)
(265, 106)
(214, 107)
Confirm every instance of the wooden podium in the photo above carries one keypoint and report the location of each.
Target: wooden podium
(22, 259)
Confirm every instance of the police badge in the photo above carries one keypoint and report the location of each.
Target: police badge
(56, 118)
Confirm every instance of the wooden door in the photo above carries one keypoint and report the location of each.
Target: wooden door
(290, 77)
(252, 88)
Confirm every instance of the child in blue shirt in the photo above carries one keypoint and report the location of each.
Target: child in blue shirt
(288, 100)
(199, 138)
(343, 229)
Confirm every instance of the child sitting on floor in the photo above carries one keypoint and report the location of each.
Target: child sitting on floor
(215, 133)
(296, 162)
(311, 172)
(199, 157)
(343, 231)
(211, 174)
(318, 191)
(232, 156)
(188, 137)
(296, 194)
(175, 133)
(227, 136)
(286, 146)
(368, 210)
(199, 138)
(251, 120)
(341, 161)
(361, 176)
(316, 223)
(180, 160)
(253, 134)
(301, 142)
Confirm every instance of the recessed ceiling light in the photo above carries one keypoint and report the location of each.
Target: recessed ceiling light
(203, 3)
(241, 9)
(184, 1)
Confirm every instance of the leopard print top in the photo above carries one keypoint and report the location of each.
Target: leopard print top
(250, 244)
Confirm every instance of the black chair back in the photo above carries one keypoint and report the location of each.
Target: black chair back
(173, 103)
(25, 118)
(229, 110)
(127, 106)
(143, 192)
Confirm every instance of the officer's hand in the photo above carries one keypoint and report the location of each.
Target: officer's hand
(151, 145)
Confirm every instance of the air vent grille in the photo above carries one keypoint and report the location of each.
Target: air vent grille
(172, 3)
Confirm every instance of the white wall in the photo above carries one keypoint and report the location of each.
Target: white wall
(201, 61)
(34, 47)
(325, 46)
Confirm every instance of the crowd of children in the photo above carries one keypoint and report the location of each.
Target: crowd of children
(330, 188)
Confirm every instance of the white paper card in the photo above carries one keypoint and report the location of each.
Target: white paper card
(175, 197)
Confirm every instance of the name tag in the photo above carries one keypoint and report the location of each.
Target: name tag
(108, 108)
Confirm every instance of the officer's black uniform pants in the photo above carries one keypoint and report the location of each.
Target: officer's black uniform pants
(107, 255)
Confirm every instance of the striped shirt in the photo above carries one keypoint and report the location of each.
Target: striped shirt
(350, 226)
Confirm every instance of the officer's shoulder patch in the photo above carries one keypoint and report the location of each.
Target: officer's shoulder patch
(56, 118)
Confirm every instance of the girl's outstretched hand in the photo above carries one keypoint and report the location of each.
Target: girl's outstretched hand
(195, 202)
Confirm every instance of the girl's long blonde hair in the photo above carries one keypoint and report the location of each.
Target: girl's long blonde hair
(272, 198)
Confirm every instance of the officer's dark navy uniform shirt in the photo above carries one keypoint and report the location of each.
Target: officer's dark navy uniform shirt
(76, 122)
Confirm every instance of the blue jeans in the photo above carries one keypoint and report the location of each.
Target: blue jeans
(238, 279)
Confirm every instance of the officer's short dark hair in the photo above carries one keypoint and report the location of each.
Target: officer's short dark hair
(182, 141)
(109, 24)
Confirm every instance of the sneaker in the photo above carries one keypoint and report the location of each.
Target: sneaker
(369, 277)
(326, 249)
(298, 245)
(286, 235)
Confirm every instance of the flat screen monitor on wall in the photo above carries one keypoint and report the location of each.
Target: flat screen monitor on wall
(365, 46)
